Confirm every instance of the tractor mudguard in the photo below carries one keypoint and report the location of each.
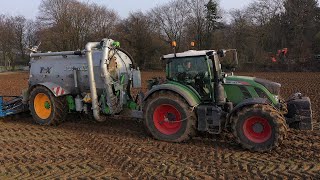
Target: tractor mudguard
(56, 90)
(246, 102)
(192, 99)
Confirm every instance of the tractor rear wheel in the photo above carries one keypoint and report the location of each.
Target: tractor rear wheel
(168, 117)
(45, 108)
(259, 128)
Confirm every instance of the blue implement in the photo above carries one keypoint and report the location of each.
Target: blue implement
(12, 106)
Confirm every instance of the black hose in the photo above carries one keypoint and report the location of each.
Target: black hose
(129, 90)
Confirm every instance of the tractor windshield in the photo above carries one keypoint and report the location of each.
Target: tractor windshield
(191, 71)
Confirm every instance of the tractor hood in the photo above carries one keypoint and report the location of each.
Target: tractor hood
(272, 87)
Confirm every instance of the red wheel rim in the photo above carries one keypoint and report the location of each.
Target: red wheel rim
(257, 129)
(167, 119)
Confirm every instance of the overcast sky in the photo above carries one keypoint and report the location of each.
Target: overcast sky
(29, 8)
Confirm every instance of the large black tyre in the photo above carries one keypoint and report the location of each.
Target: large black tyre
(180, 123)
(55, 108)
(259, 127)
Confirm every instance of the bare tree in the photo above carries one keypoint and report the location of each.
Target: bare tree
(104, 21)
(261, 12)
(2, 29)
(139, 38)
(53, 12)
(80, 17)
(300, 22)
(31, 38)
(243, 36)
(12, 44)
(171, 19)
(19, 28)
(55, 22)
(69, 24)
(197, 20)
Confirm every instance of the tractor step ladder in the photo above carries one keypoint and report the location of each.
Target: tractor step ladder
(209, 119)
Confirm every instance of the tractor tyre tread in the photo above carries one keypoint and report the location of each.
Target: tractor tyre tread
(280, 132)
(191, 121)
(59, 104)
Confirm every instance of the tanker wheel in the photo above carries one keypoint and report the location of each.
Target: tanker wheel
(45, 108)
(168, 117)
(259, 128)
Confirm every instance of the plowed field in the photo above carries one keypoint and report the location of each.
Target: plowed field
(119, 148)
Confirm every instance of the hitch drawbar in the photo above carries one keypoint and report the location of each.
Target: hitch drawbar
(14, 105)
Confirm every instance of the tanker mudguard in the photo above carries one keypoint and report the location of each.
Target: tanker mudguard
(246, 102)
(190, 98)
(56, 90)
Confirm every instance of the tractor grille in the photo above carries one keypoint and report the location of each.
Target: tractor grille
(272, 87)
(246, 94)
(260, 93)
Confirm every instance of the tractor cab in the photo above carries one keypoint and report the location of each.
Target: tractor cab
(198, 70)
(192, 69)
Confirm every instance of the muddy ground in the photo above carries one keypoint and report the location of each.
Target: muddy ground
(120, 149)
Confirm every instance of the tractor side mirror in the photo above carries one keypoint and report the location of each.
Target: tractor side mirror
(221, 53)
(231, 62)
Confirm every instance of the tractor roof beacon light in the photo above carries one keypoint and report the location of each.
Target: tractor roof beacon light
(174, 45)
(193, 44)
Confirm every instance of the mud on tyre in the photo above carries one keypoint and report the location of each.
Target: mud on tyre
(168, 117)
(259, 128)
(45, 108)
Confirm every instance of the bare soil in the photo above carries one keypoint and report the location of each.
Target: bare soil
(120, 149)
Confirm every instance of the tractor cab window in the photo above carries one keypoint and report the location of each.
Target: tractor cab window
(191, 71)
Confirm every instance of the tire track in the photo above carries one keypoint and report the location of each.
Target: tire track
(46, 153)
(165, 158)
(79, 149)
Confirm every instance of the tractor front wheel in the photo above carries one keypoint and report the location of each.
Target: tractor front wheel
(259, 128)
(45, 108)
(168, 117)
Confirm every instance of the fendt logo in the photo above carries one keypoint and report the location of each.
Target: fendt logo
(45, 70)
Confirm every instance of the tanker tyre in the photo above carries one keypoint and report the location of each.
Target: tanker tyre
(45, 108)
(259, 128)
(168, 117)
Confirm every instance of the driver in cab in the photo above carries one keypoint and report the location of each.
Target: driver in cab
(191, 75)
(189, 68)
(187, 72)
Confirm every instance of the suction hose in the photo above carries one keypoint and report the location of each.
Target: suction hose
(93, 88)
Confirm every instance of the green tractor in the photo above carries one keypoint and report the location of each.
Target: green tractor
(197, 96)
